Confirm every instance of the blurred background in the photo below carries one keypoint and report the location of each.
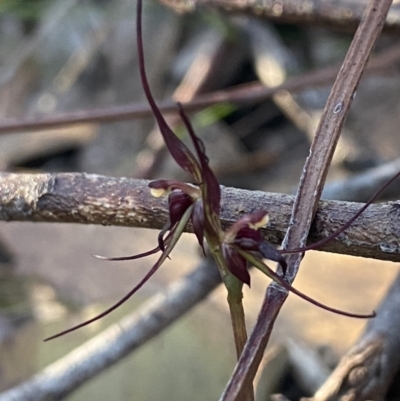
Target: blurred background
(69, 55)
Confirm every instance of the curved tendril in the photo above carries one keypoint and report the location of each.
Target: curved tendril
(139, 255)
(161, 240)
(177, 232)
(335, 234)
(132, 257)
(275, 277)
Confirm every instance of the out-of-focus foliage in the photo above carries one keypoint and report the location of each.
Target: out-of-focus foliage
(25, 9)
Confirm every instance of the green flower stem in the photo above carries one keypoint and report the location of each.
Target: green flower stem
(235, 296)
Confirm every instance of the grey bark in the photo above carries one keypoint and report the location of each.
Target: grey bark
(93, 199)
(338, 14)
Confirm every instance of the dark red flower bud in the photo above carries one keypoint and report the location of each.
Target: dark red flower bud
(178, 204)
(236, 263)
(252, 240)
(245, 234)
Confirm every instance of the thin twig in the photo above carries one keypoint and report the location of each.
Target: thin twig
(273, 62)
(362, 186)
(310, 187)
(247, 93)
(63, 377)
(92, 199)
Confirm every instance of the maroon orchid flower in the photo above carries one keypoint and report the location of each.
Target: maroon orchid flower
(244, 245)
(244, 235)
(234, 250)
(185, 200)
(181, 196)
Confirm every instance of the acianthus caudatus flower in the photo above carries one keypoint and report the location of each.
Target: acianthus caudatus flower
(234, 249)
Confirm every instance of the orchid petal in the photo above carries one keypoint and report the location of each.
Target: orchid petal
(252, 221)
(140, 255)
(132, 257)
(177, 232)
(179, 151)
(271, 253)
(211, 191)
(160, 188)
(252, 240)
(198, 222)
(247, 233)
(161, 242)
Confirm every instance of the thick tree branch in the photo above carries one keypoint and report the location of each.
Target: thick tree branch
(342, 14)
(92, 199)
(63, 377)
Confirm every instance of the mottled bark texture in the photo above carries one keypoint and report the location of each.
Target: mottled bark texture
(93, 199)
(339, 14)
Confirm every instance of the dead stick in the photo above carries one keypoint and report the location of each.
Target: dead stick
(310, 187)
(92, 199)
(246, 93)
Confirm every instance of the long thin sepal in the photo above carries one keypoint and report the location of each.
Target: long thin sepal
(179, 151)
(176, 235)
(271, 274)
(139, 255)
(131, 257)
(335, 234)
(210, 188)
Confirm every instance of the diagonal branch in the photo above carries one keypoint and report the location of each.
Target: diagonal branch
(63, 377)
(310, 187)
(93, 199)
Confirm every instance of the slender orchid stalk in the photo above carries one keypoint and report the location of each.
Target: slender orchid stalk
(235, 249)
